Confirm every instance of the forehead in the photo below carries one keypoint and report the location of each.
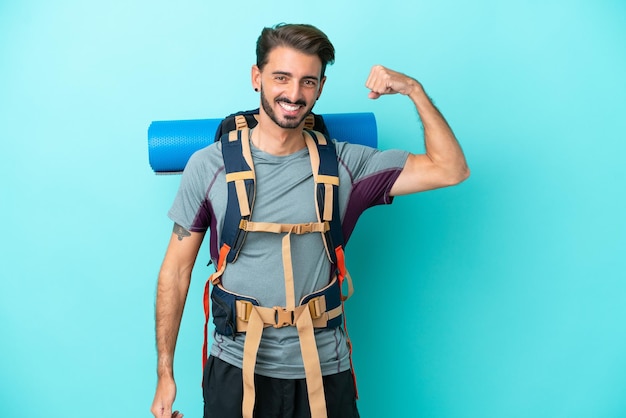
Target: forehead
(289, 60)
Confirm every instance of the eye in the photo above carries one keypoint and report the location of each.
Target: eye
(309, 83)
(280, 78)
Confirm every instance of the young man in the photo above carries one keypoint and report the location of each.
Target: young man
(289, 75)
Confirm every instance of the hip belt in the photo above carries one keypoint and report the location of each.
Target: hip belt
(234, 313)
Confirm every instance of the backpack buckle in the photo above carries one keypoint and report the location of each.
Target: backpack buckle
(303, 228)
(244, 309)
(282, 317)
(315, 307)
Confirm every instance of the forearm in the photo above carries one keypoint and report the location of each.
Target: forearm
(442, 147)
(172, 291)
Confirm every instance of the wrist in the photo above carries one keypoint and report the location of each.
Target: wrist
(165, 377)
(415, 91)
(165, 369)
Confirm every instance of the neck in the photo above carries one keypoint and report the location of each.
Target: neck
(274, 140)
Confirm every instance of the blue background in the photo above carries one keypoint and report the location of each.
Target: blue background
(502, 297)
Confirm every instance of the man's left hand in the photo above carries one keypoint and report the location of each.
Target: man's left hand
(382, 81)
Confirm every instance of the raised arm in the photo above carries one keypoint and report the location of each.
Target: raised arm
(443, 163)
(172, 288)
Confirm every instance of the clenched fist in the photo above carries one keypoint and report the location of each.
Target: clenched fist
(382, 80)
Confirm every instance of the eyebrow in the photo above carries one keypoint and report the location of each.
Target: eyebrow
(288, 74)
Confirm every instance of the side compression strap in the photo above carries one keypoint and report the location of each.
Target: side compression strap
(343, 273)
(214, 278)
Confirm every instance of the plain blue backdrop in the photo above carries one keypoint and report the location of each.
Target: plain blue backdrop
(502, 297)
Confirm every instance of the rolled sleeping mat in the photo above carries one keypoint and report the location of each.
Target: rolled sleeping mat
(171, 143)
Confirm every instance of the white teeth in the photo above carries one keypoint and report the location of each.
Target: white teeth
(288, 107)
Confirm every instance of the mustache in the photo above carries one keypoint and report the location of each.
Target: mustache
(286, 100)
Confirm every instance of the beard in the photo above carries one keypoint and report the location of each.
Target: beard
(288, 122)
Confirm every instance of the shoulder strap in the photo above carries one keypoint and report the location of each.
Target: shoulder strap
(326, 177)
(325, 169)
(240, 179)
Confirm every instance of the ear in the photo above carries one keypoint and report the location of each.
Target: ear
(255, 75)
(319, 92)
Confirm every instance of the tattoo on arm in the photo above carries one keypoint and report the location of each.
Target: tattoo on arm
(181, 232)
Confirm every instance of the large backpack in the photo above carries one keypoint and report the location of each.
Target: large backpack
(233, 313)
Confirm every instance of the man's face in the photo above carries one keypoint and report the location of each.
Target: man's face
(290, 83)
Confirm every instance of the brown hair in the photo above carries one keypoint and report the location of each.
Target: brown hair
(305, 38)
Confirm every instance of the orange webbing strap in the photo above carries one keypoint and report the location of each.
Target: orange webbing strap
(214, 278)
(343, 273)
(221, 264)
(301, 318)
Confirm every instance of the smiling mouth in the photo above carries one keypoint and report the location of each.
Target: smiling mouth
(290, 108)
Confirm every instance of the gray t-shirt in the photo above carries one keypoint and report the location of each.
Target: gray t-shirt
(284, 194)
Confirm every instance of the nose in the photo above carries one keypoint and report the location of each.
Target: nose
(294, 92)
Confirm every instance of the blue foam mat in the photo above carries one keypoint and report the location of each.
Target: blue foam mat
(171, 143)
